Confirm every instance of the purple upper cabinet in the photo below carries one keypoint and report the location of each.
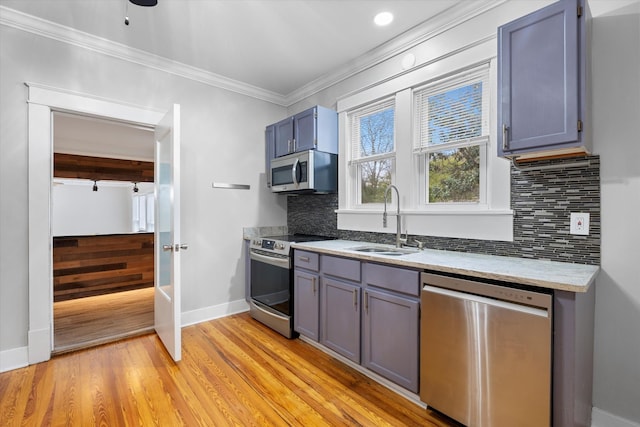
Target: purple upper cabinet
(313, 129)
(542, 82)
(283, 136)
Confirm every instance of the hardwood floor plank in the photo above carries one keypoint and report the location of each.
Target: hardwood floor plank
(218, 377)
(257, 373)
(89, 321)
(343, 378)
(288, 372)
(234, 372)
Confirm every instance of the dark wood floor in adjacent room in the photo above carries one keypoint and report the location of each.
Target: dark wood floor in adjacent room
(89, 321)
(234, 371)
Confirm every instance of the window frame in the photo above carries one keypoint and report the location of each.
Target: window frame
(355, 164)
(490, 221)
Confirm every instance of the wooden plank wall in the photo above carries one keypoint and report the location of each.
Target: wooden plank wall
(101, 168)
(95, 265)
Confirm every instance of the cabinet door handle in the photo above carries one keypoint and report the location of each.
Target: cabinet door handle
(294, 145)
(355, 299)
(313, 285)
(288, 145)
(366, 302)
(505, 137)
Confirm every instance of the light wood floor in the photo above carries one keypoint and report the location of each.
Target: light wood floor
(234, 371)
(90, 321)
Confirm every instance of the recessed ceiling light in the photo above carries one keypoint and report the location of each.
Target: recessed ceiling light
(383, 18)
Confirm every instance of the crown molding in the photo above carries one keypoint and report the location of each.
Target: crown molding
(51, 30)
(449, 18)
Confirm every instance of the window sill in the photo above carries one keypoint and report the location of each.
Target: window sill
(463, 224)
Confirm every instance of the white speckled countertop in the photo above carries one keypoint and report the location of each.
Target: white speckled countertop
(545, 274)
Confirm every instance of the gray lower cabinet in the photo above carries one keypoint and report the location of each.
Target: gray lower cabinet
(306, 294)
(305, 303)
(390, 337)
(390, 324)
(368, 313)
(340, 318)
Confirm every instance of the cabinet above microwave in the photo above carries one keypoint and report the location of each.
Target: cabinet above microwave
(312, 129)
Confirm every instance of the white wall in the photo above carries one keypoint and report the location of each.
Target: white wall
(222, 140)
(78, 210)
(616, 116)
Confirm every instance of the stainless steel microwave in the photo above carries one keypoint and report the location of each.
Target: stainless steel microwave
(305, 172)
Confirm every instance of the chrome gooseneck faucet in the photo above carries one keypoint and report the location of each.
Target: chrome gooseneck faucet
(398, 217)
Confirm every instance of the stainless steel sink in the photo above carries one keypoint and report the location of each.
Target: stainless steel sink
(371, 249)
(377, 250)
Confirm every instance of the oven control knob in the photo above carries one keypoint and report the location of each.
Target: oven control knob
(279, 246)
(257, 242)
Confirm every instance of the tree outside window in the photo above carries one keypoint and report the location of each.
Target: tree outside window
(373, 151)
(454, 175)
(453, 126)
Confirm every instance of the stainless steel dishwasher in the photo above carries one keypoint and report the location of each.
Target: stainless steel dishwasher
(486, 352)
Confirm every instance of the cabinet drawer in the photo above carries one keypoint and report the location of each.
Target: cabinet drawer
(392, 278)
(306, 260)
(341, 267)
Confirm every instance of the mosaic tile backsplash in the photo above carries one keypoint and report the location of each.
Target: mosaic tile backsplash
(542, 201)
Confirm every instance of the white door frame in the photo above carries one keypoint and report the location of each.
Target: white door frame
(42, 101)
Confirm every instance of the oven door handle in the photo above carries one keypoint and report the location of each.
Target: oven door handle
(277, 262)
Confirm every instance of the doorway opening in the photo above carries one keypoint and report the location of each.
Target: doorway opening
(102, 231)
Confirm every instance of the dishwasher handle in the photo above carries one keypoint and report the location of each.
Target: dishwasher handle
(519, 296)
(488, 301)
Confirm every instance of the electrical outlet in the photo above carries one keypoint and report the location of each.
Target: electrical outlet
(579, 223)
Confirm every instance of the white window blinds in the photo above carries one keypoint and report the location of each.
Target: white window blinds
(454, 112)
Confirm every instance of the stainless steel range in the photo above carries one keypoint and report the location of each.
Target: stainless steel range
(271, 289)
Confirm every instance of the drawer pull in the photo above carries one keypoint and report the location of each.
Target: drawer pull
(304, 258)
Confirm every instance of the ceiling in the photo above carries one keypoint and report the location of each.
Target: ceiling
(91, 136)
(275, 45)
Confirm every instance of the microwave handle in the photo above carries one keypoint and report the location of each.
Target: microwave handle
(294, 172)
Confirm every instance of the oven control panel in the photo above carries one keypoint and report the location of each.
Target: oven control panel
(268, 244)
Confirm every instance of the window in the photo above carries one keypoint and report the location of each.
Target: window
(437, 150)
(142, 213)
(372, 150)
(452, 126)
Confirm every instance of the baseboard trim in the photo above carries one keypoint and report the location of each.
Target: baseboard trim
(600, 418)
(39, 345)
(213, 312)
(14, 358)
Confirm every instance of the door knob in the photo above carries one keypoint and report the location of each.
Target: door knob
(179, 246)
(167, 247)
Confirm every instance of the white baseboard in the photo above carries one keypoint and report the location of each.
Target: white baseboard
(213, 312)
(600, 418)
(14, 359)
(39, 345)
